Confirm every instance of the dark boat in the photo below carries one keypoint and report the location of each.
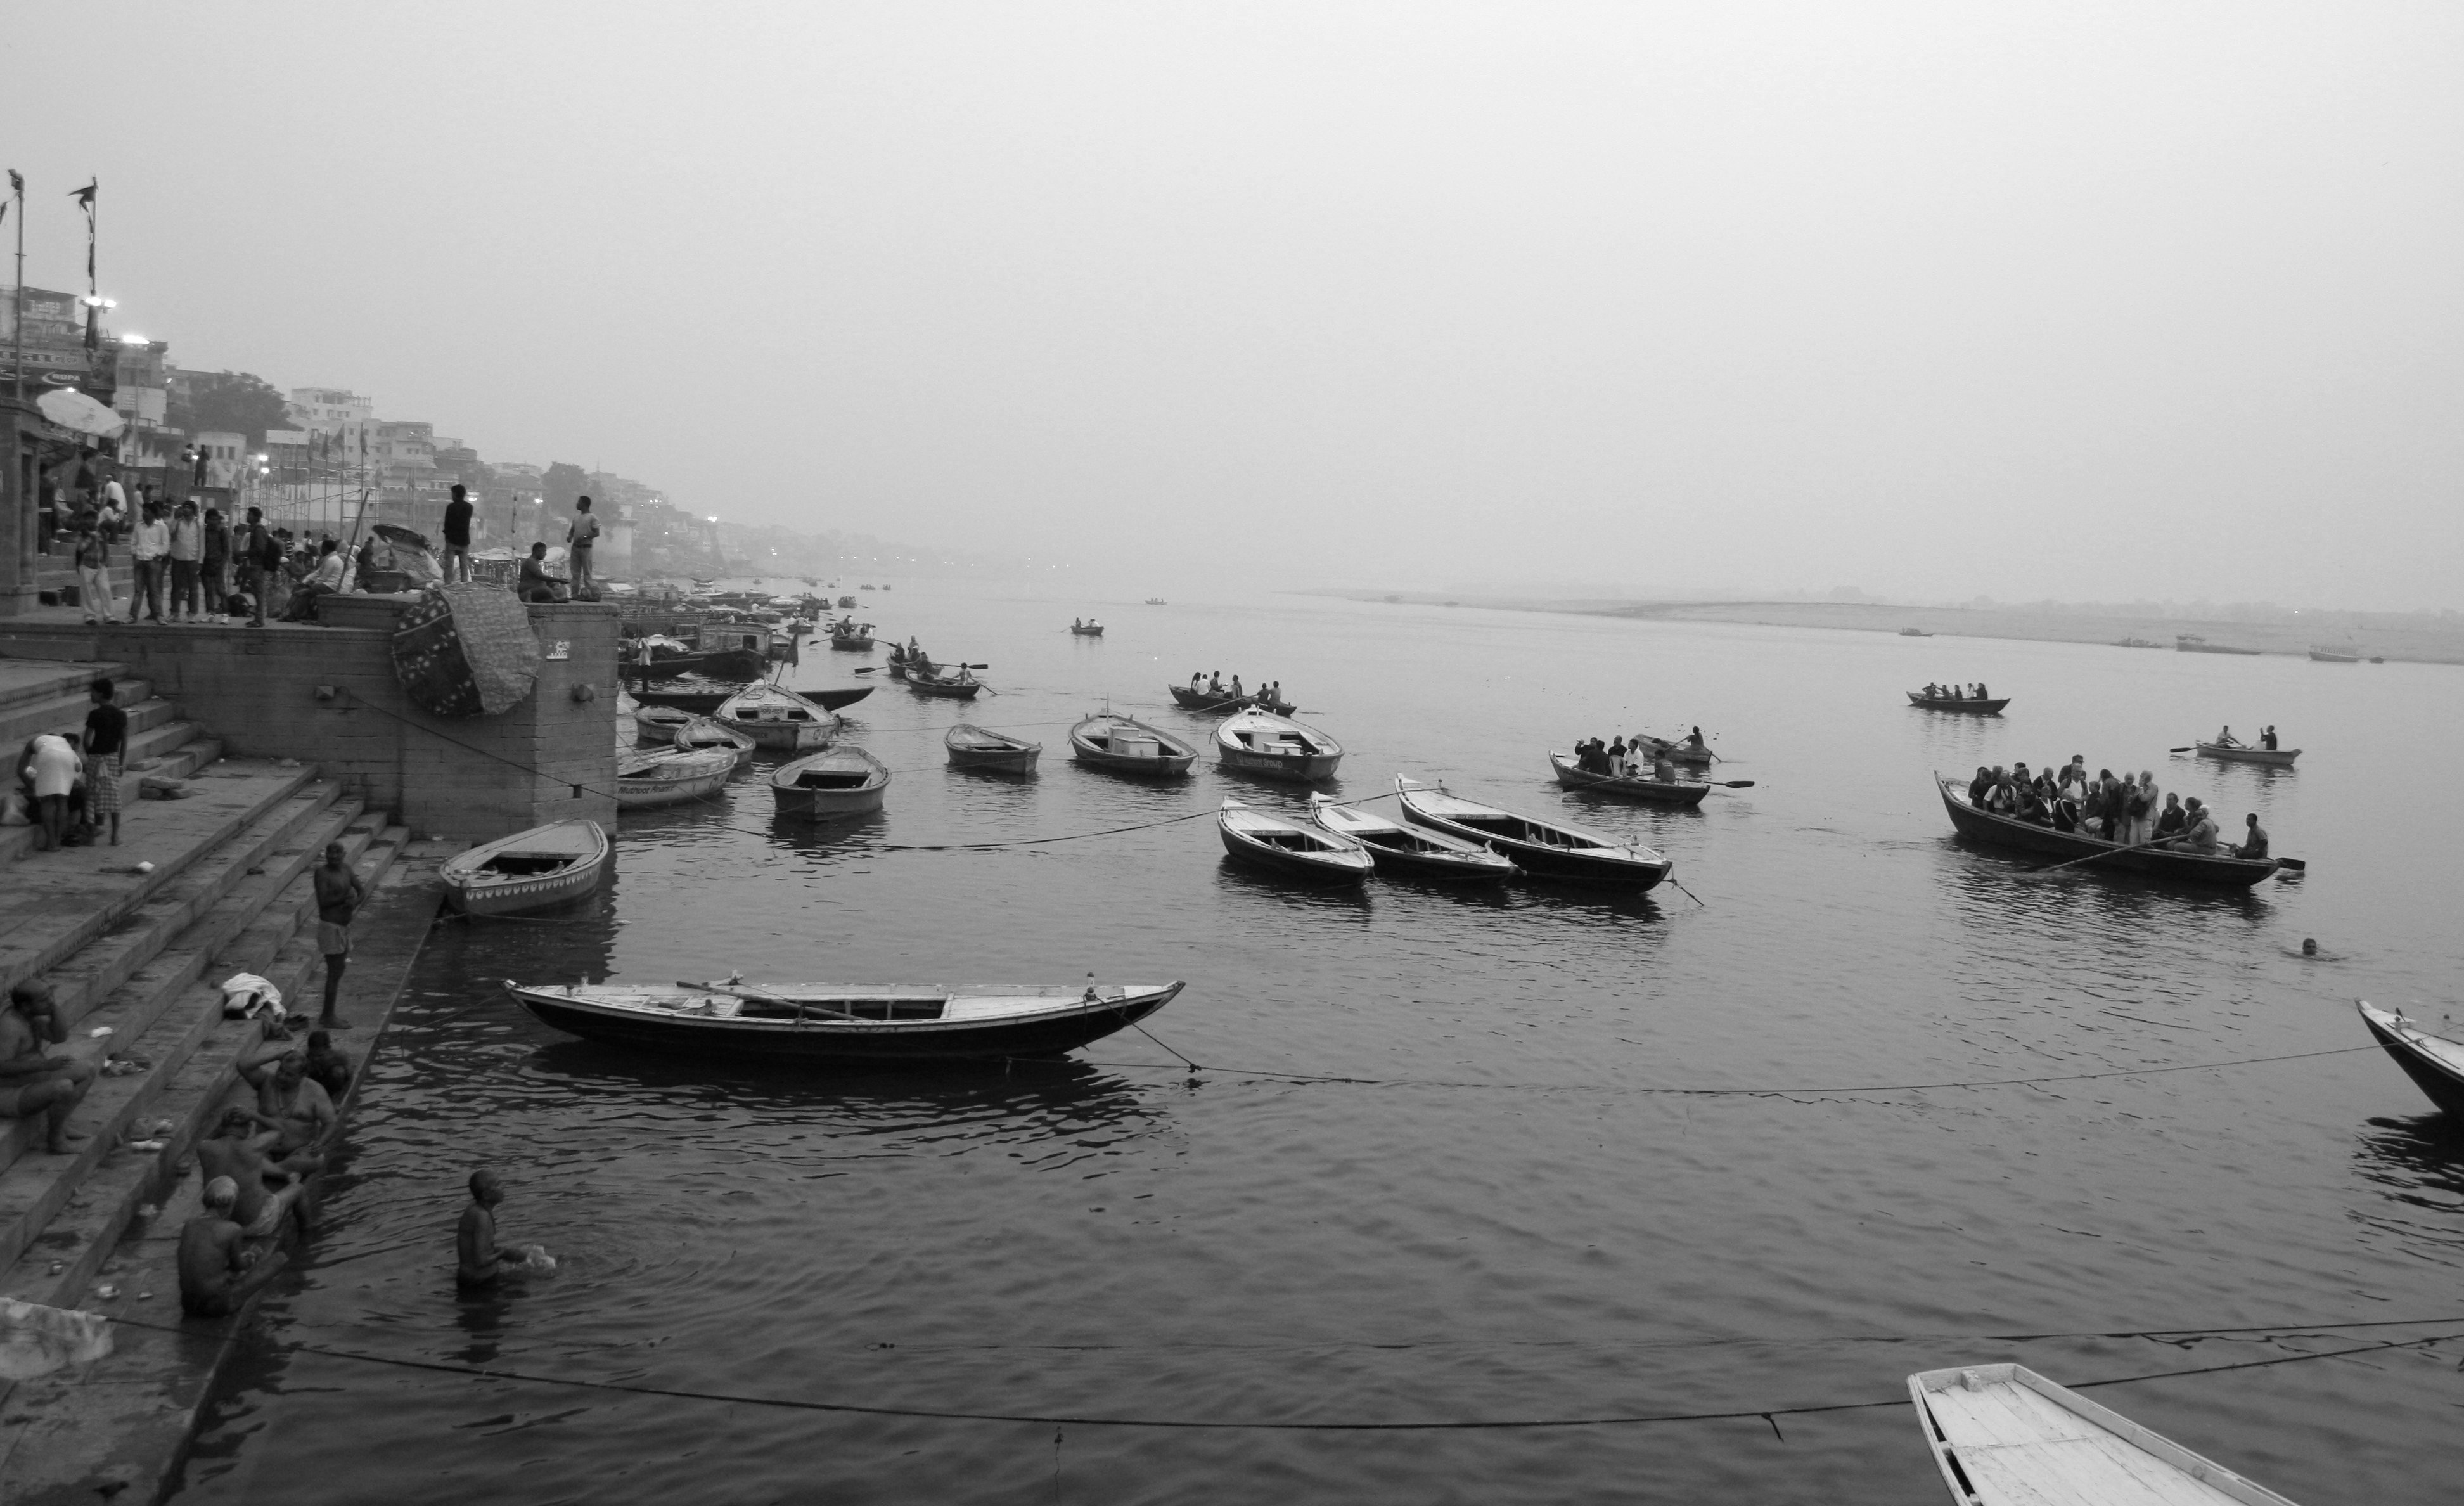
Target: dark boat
(853, 638)
(2159, 862)
(1405, 851)
(2192, 643)
(725, 664)
(951, 684)
(2237, 753)
(1125, 745)
(1687, 792)
(1542, 848)
(704, 700)
(1207, 702)
(971, 746)
(2434, 1063)
(1087, 629)
(1262, 840)
(1974, 707)
(842, 1026)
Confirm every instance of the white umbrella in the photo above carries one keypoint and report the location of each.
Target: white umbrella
(71, 409)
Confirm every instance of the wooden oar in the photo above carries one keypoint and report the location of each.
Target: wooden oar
(2056, 868)
(739, 991)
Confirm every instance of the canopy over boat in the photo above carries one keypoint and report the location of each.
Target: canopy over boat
(1687, 792)
(2004, 1435)
(844, 781)
(1125, 745)
(1406, 851)
(1546, 849)
(531, 869)
(2433, 1062)
(1261, 742)
(1996, 830)
(846, 1024)
(1266, 840)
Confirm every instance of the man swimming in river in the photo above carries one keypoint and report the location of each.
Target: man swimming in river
(478, 1259)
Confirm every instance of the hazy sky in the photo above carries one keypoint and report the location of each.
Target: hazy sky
(2088, 301)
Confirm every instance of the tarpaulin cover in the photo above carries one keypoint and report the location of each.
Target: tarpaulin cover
(466, 651)
(35, 1339)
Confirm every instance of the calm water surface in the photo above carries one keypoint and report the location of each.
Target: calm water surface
(1503, 1225)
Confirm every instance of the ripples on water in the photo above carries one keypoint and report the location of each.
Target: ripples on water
(1497, 1225)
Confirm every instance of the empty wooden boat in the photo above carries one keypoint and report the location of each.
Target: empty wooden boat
(1689, 792)
(2335, 655)
(842, 1025)
(2192, 643)
(672, 776)
(2433, 1062)
(971, 746)
(951, 682)
(1125, 745)
(1264, 840)
(1406, 852)
(2236, 753)
(2004, 1435)
(707, 732)
(830, 786)
(1996, 830)
(549, 865)
(1542, 848)
(658, 723)
(776, 718)
(1207, 702)
(1974, 706)
(704, 701)
(1270, 746)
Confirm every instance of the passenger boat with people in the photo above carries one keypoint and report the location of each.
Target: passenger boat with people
(830, 786)
(547, 864)
(2004, 1435)
(776, 718)
(1125, 745)
(1266, 840)
(971, 746)
(844, 1025)
(1089, 628)
(1996, 830)
(950, 682)
(1972, 705)
(709, 732)
(1270, 746)
(846, 602)
(1207, 703)
(851, 637)
(658, 723)
(1687, 792)
(1687, 752)
(2434, 1063)
(672, 776)
(1542, 849)
(2237, 753)
(1403, 852)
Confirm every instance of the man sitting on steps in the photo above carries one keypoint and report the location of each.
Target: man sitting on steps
(33, 1082)
(237, 1152)
(219, 1269)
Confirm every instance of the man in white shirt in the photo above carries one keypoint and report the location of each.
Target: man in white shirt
(150, 551)
(188, 552)
(333, 569)
(578, 541)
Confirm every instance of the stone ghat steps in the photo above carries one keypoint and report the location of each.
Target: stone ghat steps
(61, 705)
(60, 1217)
(54, 903)
(161, 745)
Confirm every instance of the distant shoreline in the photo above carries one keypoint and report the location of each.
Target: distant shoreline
(2405, 645)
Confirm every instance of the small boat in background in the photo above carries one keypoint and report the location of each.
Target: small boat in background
(2434, 1063)
(1403, 852)
(549, 865)
(971, 746)
(1208, 703)
(2004, 1435)
(1154, 600)
(951, 682)
(1270, 746)
(1971, 705)
(708, 732)
(672, 776)
(1322, 856)
(1089, 628)
(1914, 632)
(1542, 848)
(851, 637)
(658, 723)
(1687, 792)
(2325, 655)
(2192, 643)
(776, 718)
(1125, 745)
(2136, 643)
(831, 784)
(1687, 752)
(846, 602)
(2236, 753)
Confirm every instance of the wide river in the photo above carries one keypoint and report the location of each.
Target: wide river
(1503, 1217)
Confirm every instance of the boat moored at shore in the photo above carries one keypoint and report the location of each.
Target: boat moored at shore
(1407, 851)
(1266, 840)
(971, 746)
(776, 718)
(548, 865)
(830, 786)
(672, 776)
(1125, 745)
(1541, 848)
(1270, 746)
(2004, 1435)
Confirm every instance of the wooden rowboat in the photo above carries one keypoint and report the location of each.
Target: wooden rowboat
(2335, 656)
(2434, 1063)
(2192, 643)
(704, 701)
(1990, 707)
(672, 776)
(955, 683)
(1261, 743)
(707, 732)
(2004, 1435)
(840, 1025)
(776, 718)
(1407, 851)
(1542, 848)
(1684, 752)
(1086, 629)
(1125, 745)
(658, 723)
(2236, 753)
(971, 746)
(830, 786)
(1996, 829)
(1687, 792)
(533, 870)
(1264, 840)
(1207, 702)
(851, 638)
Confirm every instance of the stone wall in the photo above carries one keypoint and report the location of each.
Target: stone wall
(258, 690)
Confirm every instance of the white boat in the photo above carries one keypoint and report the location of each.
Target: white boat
(702, 731)
(2004, 1435)
(830, 786)
(1261, 837)
(658, 723)
(530, 870)
(672, 776)
(1260, 743)
(1409, 850)
(775, 717)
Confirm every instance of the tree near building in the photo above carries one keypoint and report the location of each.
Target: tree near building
(227, 401)
(562, 485)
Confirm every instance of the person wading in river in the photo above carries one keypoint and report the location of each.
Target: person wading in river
(340, 893)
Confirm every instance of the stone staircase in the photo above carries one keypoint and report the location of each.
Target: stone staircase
(51, 697)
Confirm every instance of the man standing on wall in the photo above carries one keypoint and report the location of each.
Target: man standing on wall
(259, 557)
(215, 568)
(577, 552)
(457, 536)
(149, 549)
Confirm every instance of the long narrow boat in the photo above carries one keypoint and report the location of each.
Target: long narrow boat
(2192, 643)
(1125, 745)
(703, 700)
(1260, 743)
(549, 865)
(1405, 851)
(1542, 848)
(1687, 792)
(776, 718)
(2335, 655)
(1266, 840)
(971, 746)
(840, 1025)
(2004, 1435)
(830, 786)
(954, 683)
(723, 664)
(672, 776)
(2434, 1063)
(1996, 829)
(2236, 753)
(708, 732)
(1971, 705)
(658, 723)
(1207, 703)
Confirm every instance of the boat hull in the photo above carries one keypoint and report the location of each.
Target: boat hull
(2009, 833)
(655, 728)
(963, 691)
(1298, 769)
(866, 1044)
(1016, 758)
(1684, 792)
(783, 736)
(1204, 704)
(1604, 871)
(470, 891)
(802, 802)
(852, 645)
(1173, 761)
(2271, 758)
(2444, 1085)
(1315, 868)
(702, 703)
(1284, 750)
(2320, 658)
(1087, 632)
(1975, 708)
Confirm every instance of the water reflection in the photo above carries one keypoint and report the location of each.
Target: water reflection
(1240, 881)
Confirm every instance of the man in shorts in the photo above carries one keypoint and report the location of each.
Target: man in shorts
(32, 1081)
(340, 893)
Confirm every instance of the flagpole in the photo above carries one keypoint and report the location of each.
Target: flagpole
(17, 186)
